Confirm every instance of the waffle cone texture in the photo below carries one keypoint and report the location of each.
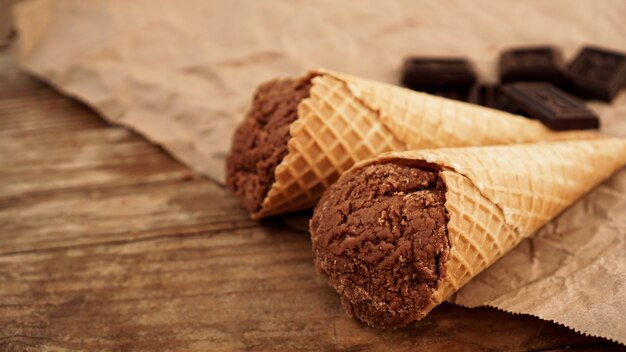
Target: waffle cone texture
(497, 196)
(347, 119)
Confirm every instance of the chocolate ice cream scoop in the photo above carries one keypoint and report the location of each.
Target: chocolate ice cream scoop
(380, 237)
(260, 142)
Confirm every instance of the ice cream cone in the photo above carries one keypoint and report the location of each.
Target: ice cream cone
(497, 196)
(348, 119)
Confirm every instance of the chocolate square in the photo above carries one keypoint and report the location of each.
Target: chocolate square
(547, 103)
(533, 64)
(456, 93)
(421, 73)
(598, 73)
(485, 95)
(489, 95)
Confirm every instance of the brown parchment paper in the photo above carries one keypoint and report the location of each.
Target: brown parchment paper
(183, 73)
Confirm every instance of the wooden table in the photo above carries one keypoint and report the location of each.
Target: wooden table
(109, 244)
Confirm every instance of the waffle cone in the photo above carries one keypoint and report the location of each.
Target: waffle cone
(348, 119)
(497, 196)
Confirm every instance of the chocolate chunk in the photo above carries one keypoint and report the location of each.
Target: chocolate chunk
(420, 73)
(485, 95)
(533, 64)
(505, 103)
(547, 103)
(489, 95)
(446, 77)
(456, 93)
(598, 73)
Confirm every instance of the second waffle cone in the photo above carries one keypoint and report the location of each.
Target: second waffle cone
(497, 196)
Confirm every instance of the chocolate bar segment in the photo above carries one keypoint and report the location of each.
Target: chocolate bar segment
(456, 93)
(432, 73)
(485, 95)
(598, 73)
(489, 95)
(533, 64)
(555, 108)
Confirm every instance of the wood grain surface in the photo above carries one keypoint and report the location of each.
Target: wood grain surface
(108, 244)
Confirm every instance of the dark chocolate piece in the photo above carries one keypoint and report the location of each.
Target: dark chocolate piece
(380, 237)
(423, 73)
(485, 95)
(489, 95)
(598, 73)
(456, 93)
(547, 103)
(505, 103)
(533, 64)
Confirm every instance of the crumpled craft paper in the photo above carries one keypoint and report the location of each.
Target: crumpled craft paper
(183, 73)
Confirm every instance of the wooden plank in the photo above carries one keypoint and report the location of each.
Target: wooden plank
(106, 215)
(35, 165)
(15, 83)
(34, 117)
(221, 290)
